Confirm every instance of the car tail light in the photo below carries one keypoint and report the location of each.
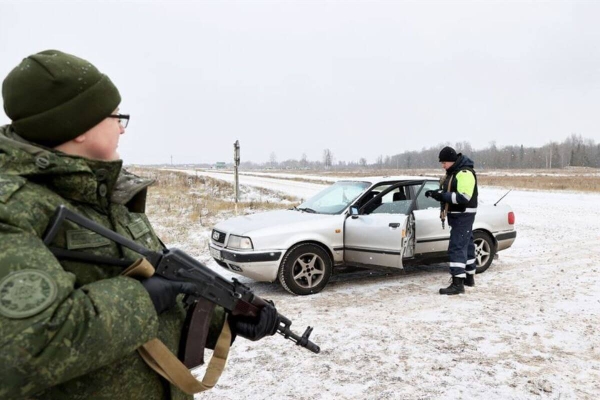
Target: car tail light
(511, 218)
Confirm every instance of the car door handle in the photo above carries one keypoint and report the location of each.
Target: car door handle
(394, 225)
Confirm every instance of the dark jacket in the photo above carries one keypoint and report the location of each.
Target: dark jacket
(460, 186)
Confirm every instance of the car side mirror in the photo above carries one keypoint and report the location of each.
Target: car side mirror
(354, 212)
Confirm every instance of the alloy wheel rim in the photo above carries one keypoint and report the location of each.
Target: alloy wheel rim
(482, 252)
(308, 270)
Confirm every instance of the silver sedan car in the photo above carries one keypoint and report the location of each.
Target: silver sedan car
(382, 222)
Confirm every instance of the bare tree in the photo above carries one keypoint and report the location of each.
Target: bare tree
(463, 147)
(273, 159)
(521, 156)
(388, 162)
(327, 158)
(304, 161)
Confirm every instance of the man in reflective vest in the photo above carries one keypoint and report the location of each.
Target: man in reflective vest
(458, 197)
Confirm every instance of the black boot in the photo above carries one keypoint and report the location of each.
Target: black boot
(470, 280)
(456, 287)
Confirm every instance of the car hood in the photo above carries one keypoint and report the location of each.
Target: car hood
(247, 223)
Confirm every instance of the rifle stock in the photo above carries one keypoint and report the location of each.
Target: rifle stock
(177, 265)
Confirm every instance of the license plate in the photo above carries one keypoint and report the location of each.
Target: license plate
(216, 254)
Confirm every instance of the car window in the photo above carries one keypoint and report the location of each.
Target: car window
(396, 201)
(370, 202)
(335, 198)
(427, 202)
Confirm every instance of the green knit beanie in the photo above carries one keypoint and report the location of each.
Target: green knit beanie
(53, 97)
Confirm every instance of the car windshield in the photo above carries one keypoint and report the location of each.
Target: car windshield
(335, 198)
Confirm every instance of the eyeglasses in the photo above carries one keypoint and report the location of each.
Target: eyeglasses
(123, 119)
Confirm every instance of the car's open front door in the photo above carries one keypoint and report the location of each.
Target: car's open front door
(431, 237)
(375, 240)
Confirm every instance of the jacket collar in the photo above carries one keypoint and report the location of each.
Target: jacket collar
(75, 178)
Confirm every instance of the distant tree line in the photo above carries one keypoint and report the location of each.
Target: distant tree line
(575, 151)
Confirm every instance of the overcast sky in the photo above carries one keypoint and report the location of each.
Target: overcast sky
(361, 78)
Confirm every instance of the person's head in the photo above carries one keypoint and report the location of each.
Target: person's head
(448, 157)
(63, 102)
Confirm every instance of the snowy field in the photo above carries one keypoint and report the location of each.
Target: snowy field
(528, 330)
(284, 184)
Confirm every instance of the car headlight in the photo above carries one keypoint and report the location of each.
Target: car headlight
(239, 242)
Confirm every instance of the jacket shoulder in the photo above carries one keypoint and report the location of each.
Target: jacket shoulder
(466, 174)
(9, 185)
(129, 186)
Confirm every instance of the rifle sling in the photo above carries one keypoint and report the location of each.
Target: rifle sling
(446, 205)
(166, 364)
(163, 362)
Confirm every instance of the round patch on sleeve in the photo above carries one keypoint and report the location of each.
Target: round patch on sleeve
(25, 293)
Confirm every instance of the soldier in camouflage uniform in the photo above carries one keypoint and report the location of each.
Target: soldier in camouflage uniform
(69, 330)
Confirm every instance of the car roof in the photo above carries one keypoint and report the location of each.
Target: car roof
(391, 178)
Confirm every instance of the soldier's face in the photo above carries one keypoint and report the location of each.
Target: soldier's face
(102, 140)
(447, 164)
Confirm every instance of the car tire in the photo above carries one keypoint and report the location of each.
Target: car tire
(485, 250)
(305, 269)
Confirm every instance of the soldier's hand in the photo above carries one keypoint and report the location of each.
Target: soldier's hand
(255, 328)
(434, 194)
(164, 292)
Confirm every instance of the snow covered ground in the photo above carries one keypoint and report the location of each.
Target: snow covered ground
(528, 330)
(300, 189)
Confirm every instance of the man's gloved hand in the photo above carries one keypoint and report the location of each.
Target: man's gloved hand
(255, 328)
(163, 292)
(434, 194)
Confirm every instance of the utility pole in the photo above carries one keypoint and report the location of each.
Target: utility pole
(236, 164)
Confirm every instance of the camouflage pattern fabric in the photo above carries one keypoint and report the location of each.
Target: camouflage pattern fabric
(69, 330)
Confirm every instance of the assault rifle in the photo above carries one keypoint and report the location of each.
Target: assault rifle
(176, 265)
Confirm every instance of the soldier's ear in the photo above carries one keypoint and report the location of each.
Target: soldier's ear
(80, 138)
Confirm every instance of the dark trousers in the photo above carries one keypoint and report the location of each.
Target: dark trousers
(461, 250)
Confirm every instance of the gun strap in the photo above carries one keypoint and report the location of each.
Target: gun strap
(163, 361)
(141, 268)
(446, 205)
(158, 356)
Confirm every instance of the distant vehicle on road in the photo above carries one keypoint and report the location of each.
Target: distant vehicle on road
(382, 222)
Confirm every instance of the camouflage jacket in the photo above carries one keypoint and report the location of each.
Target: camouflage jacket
(69, 330)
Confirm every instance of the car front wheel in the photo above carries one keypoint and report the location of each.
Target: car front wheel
(485, 249)
(305, 269)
